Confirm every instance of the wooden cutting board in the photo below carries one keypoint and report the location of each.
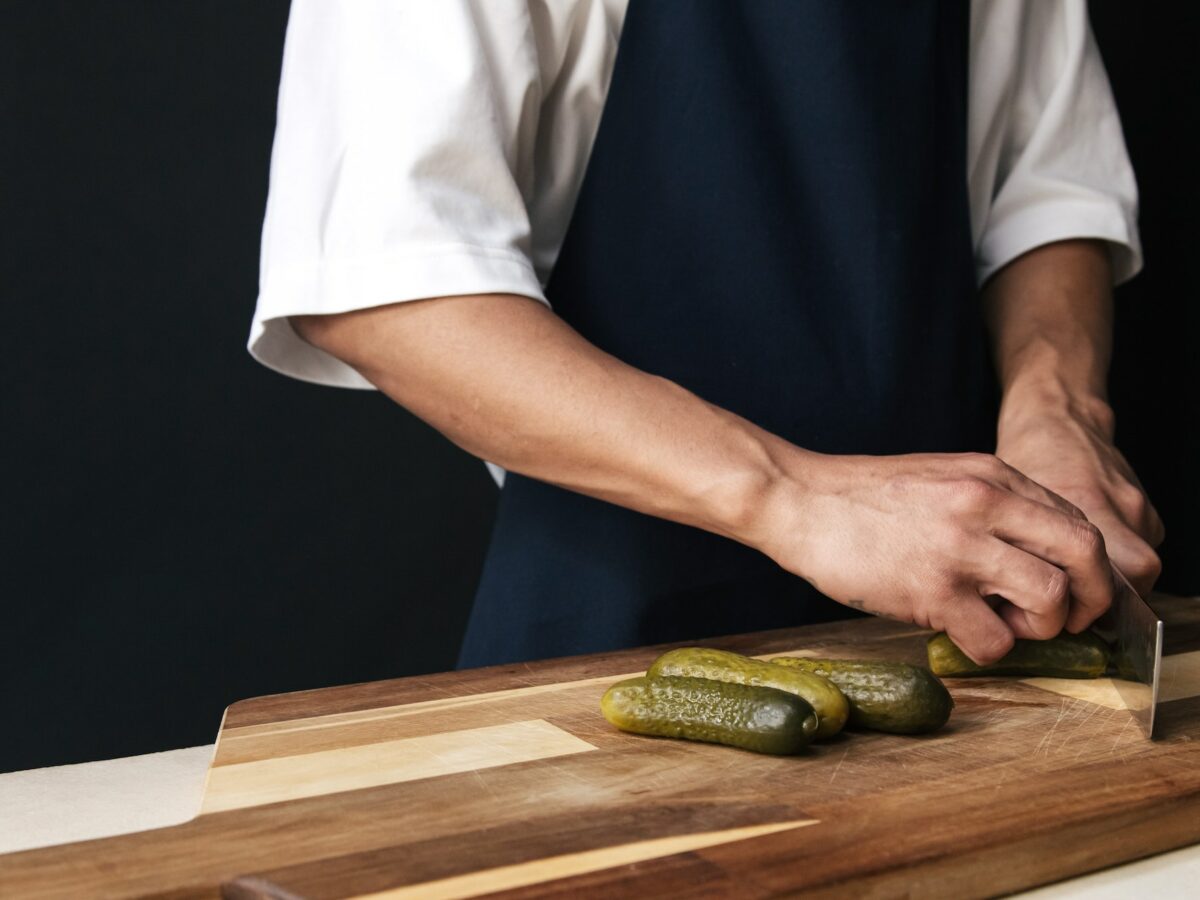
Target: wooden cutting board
(509, 780)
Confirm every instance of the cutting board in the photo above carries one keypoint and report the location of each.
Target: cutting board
(508, 780)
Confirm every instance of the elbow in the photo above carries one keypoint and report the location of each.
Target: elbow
(320, 331)
(352, 337)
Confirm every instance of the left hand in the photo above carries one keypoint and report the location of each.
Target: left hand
(1070, 451)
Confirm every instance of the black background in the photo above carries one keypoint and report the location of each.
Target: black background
(183, 528)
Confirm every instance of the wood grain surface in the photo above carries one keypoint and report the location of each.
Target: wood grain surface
(507, 781)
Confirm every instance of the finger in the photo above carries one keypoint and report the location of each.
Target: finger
(1130, 502)
(1148, 524)
(1074, 545)
(1129, 550)
(1134, 557)
(976, 629)
(1015, 618)
(1037, 593)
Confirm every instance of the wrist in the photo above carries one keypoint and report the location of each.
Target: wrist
(776, 514)
(1045, 391)
(749, 473)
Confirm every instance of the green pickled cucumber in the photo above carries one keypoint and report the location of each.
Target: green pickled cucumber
(1082, 655)
(826, 699)
(762, 719)
(884, 696)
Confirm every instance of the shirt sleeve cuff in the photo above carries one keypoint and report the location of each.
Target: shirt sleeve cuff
(1034, 226)
(333, 286)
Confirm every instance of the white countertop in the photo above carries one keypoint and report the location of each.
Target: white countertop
(58, 805)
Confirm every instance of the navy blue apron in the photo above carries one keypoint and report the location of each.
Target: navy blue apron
(775, 216)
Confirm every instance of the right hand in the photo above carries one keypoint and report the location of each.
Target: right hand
(961, 543)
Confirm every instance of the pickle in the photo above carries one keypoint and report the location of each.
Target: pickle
(827, 701)
(762, 719)
(884, 696)
(1082, 655)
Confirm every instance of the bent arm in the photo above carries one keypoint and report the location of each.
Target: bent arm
(509, 381)
(911, 537)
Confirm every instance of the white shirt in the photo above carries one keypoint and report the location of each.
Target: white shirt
(427, 148)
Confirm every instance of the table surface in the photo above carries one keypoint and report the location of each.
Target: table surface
(50, 806)
(72, 803)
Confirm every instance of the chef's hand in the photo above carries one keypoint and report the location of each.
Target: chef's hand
(1071, 452)
(935, 539)
(1050, 313)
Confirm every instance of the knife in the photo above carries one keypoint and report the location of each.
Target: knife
(1135, 633)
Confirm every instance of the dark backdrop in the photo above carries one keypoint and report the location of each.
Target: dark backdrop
(183, 528)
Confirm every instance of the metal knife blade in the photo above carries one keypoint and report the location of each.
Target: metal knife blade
(1136, 634)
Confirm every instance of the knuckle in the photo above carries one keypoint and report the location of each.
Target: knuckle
(1147, 563)
(1131, 500)
(1075, 511)
(1057, 589)
(1089, 539)
(987, 464)
(1068, 506)
(971, 494)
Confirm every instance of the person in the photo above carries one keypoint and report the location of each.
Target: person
(760, 311)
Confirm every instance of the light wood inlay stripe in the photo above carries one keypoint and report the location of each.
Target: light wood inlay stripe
(333, 731)
(537, 871)
(1100, 691)
(386, 762)
(1178, 680)
(333, 720)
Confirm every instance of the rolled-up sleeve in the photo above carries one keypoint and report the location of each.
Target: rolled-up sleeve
(1048, 160)
(400, 165)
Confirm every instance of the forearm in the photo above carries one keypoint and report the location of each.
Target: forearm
(509, 381)
(1049, 313)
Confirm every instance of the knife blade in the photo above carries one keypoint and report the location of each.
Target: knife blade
(1135, 633)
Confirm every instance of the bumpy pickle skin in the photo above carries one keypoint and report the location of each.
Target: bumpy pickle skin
(892, 697)
(826, 699)
(749, 717)
(1083, 655)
